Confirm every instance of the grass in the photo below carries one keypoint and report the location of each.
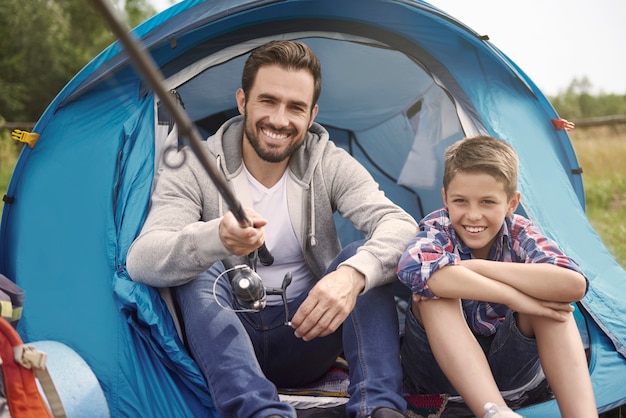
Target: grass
(601, 153)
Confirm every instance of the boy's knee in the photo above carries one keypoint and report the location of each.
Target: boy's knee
(435, 309)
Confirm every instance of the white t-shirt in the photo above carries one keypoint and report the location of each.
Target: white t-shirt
(280, 240)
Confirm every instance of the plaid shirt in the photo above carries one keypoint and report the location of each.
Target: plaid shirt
(437, 246)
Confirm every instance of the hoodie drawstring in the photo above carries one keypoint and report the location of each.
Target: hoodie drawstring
(312, 239)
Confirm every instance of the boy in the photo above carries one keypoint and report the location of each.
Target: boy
(491, 295)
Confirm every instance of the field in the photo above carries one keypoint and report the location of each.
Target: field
(601, 153)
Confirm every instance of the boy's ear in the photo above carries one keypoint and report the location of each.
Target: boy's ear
(443, 196)
(514, 203)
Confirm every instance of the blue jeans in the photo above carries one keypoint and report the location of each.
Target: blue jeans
(512, 357)
(245, 356)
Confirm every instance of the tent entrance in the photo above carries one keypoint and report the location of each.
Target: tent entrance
(374, 98)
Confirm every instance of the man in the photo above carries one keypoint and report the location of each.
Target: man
(285, 170)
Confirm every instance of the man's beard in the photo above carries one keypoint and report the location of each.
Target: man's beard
(268, 154)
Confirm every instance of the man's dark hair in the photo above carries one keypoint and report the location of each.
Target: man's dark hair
(288, 55)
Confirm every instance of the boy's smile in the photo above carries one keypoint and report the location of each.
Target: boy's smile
(477, 204)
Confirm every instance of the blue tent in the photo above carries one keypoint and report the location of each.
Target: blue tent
(402, 80)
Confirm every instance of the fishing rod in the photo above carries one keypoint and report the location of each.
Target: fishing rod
(147, 68)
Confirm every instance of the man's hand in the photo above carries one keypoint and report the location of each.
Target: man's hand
(242, 240)
(329, 303)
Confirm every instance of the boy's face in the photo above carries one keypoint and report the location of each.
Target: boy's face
(478, 204)
(278, 111)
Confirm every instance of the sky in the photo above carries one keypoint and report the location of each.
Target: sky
(552, 41)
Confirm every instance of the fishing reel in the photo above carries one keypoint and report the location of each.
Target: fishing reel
(249, 292)
(248, 288)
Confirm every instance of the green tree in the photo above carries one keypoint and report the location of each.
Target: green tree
(43, 43)
(137, 11)
(33, 39)
(577, 102)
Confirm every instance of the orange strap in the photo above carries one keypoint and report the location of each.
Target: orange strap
(563, 124)
(23, 396)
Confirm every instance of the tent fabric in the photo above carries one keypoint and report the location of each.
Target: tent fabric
(402, 81)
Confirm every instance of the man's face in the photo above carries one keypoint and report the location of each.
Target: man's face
(277, 112)
(477, 204)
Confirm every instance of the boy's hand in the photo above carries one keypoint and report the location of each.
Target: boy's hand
(522, 303)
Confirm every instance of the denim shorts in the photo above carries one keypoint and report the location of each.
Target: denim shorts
(512, 357)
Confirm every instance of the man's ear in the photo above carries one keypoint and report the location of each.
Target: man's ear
(241, 101)
(314, 112)
(514, 203)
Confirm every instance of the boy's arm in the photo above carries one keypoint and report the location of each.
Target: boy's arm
(459, 282)
(539, 269)
(431, 269)
(540, 280)
(428, 252)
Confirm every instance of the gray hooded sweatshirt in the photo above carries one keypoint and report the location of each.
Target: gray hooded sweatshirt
(180, 238)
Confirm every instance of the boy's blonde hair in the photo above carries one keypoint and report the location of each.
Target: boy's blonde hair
(483, 154)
